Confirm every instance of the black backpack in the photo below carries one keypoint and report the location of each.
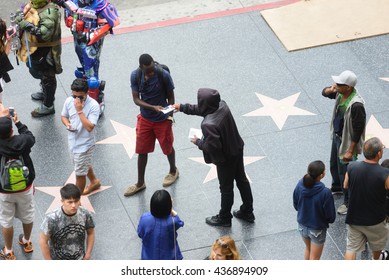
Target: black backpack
(13, 174)
(159, 70)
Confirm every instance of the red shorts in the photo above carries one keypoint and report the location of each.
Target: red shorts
(147, 132)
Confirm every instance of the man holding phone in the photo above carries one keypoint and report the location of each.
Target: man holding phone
(80, 114)
(16, 203)
(348, 129)
(153, 95)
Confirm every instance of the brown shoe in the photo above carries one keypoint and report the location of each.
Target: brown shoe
(170, 178)
(8, 257)
(134, 189)
(92, 188)
(27, 247)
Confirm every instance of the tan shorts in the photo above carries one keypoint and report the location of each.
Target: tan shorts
(17, 205)
(376, 236)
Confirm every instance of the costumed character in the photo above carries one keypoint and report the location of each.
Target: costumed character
(90, 21)
(40, 25)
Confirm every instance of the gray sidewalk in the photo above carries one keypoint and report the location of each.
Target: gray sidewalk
(241, 57)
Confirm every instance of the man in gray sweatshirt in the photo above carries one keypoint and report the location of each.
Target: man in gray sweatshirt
(348, 125)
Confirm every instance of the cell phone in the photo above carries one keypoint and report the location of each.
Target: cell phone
(168, 109)
(11, 111)
(71, 129)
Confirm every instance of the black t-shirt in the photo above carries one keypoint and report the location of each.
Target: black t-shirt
(367, 193)
(339, 118)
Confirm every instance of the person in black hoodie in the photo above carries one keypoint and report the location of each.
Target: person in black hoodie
(222, 145)
(20, 203)
(315, 208)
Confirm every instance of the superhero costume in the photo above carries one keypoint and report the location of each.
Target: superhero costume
(90, 21)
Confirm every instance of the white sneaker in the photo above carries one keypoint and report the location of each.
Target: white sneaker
(342, 210)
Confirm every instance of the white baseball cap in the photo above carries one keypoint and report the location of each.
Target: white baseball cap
(346, 78)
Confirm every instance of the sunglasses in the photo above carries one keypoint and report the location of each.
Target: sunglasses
(79, 97)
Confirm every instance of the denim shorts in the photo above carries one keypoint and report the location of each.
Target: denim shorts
(317, 236)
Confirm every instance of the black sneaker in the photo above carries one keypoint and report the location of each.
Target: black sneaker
(43, 111)
(37, 96)
(216, 221)
(336, 189)
(244, 216)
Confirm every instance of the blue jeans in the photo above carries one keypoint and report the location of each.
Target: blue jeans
(337, 167)
(317, 236)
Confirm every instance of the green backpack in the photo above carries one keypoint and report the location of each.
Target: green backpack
(13, 174)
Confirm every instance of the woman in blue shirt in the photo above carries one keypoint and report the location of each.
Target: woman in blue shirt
(315, 209)
(157, 229)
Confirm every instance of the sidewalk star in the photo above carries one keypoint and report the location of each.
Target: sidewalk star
(212, 173)
(278, 110)
(374, 129)
(54, 191)
(125, 135)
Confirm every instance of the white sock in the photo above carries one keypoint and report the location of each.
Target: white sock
(7, 251)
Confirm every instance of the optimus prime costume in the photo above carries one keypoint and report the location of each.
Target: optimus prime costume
(39, 22)
(90, 21)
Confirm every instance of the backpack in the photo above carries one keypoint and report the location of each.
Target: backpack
(13, 174)
(159, 70)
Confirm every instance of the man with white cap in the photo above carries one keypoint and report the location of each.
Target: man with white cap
(347, 129)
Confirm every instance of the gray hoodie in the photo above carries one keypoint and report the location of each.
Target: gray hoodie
(348, 129)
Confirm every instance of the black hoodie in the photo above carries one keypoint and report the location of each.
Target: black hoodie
(5, 66)
(221, 139)
(18, 145)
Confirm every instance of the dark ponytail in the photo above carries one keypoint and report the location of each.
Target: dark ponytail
(315, 169)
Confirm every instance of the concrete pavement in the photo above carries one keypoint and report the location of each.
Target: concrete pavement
(240, 56)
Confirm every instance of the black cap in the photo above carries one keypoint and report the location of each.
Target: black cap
(5, 127)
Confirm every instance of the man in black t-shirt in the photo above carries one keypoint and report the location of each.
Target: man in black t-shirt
(367, 183)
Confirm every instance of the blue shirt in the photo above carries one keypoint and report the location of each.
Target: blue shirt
(159, 237)
(81, 140)
(315, 206)
(153, 93)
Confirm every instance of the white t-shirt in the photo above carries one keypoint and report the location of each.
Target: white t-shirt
(81, 140)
